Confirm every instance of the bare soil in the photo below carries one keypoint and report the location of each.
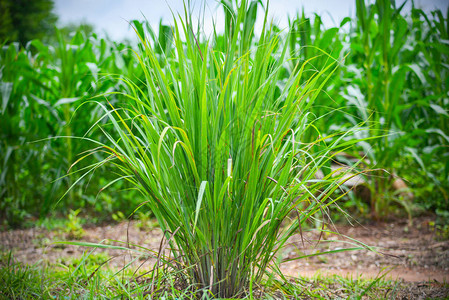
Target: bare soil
(409, 253)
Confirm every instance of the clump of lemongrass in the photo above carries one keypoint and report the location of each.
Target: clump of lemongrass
(214, 143)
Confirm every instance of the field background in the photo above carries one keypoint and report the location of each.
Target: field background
(391, 82)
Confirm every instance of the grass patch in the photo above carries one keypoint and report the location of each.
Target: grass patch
(84, 278)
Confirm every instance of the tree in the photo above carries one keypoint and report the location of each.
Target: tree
(24, 20)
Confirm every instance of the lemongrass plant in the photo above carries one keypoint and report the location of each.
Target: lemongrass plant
(214, 145)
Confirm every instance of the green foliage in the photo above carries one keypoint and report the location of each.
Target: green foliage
(81, 278)
(395, 79)
(395, 76)
(68, 30)
(220, 137)
(21, 281)
(22, 21)
(74, 229)
(394, 73)
(338, 287)
(212, 134)
(42, 88)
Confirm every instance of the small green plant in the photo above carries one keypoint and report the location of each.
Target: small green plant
(90, 261)
(440, 227)
(73, 228)
(118, 216)
(145, 221)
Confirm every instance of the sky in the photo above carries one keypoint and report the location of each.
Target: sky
(111, 17)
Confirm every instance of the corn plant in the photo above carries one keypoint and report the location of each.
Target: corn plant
(41, 87)
(387, 53)
(310, 43)
(216, 148)
(389, 85)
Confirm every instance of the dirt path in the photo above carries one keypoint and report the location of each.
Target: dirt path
(410, 253)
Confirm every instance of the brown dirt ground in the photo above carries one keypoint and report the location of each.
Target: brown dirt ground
(409, 253)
